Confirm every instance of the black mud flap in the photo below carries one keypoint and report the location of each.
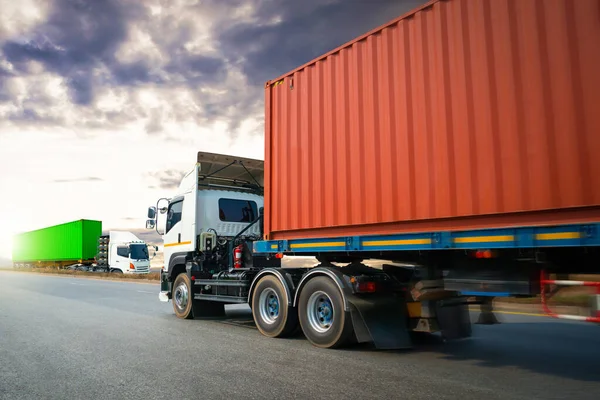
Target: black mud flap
(382, 321)
(454, 321)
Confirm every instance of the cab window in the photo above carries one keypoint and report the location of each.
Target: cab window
(232, 210)
(174, 214)
(123, 251)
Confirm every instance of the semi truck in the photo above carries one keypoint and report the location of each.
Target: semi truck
(80, 245)
(120, 252)
(458, 143)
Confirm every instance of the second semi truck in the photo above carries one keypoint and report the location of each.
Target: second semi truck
(80, 245)
(458, 141)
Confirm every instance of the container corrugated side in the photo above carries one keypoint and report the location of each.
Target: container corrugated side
(58, 243)
(461, 114)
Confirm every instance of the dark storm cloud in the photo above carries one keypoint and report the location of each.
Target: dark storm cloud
(79, 40)
(168, 179)
(4, 73)
(307, 29)
(197, 68)
(26, 115)
(86, 179)
(81, 87)
(77, 37)
(134, 73)
(205, 65)
(5, 94)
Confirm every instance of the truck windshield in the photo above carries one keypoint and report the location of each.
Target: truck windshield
(138, 252)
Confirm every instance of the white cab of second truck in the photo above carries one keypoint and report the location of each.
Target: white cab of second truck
(122, 251)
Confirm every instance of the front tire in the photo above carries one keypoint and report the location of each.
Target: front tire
(322, 317)
(183, 297)
(270, 310)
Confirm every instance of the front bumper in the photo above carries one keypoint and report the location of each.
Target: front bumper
(136, 272)
(163, 296)
(165, 287)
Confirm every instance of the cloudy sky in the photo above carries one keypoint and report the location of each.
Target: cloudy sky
(104, 103)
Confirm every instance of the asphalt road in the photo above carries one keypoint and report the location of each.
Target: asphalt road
(72, 338)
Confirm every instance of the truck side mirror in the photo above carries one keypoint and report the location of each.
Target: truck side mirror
(151, 212)
(150, 224)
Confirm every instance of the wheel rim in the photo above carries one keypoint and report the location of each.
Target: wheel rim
(320, 312)
(268, 305)
(181, 296)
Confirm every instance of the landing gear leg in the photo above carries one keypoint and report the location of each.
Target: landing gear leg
(487, 316)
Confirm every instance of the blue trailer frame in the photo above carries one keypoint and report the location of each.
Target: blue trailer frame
(572, 235)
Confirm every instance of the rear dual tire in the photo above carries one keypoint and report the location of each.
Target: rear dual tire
(273, 315)
(323, 319)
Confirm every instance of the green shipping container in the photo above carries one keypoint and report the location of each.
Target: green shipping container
(77, 240)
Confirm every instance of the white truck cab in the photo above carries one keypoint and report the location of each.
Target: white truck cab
(214, 202)
(123, 252)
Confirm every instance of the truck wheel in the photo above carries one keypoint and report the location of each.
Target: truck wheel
(322, 317)
(182, 297)
(270, 310)
(116, 271)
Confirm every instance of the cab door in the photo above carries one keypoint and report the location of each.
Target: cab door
(173, 241)
(119, 257)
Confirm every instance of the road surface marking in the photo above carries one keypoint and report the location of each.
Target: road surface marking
(144, 291)
(513, 313)
(521, 313)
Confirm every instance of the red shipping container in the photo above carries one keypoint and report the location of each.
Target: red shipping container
(460, 114)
